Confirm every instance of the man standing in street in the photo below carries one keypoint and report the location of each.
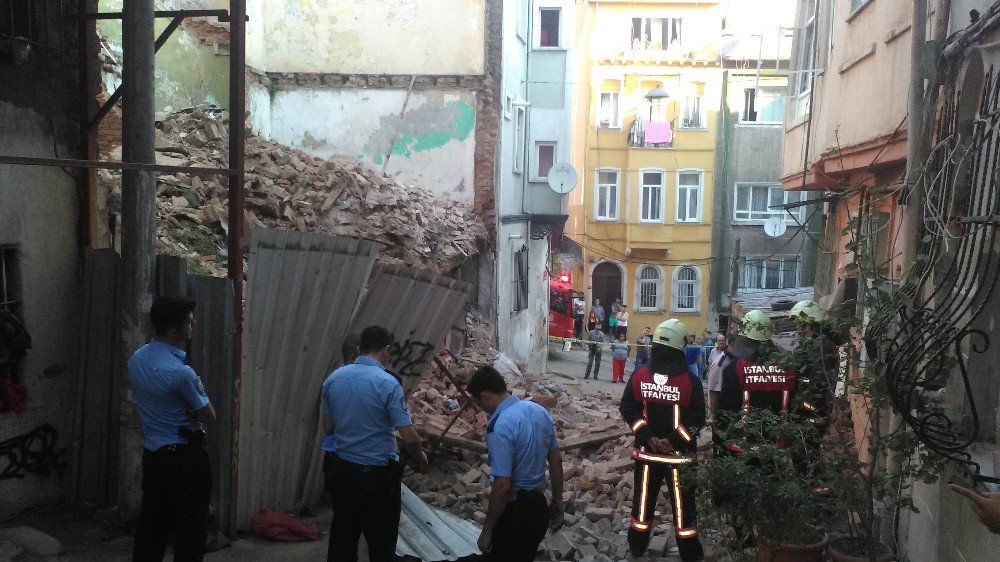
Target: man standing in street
(578, 306)
(664, 404)
(363, 406)
(520, 440)
(642, 348)
(172, 405)
(718, 360)
(599, 310)
(596, 338)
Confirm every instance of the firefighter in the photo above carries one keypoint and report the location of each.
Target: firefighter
(664, 404)
(816, 361)
(751, 381)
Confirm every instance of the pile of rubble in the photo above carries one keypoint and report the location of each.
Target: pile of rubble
(288, 188)
(596, 463)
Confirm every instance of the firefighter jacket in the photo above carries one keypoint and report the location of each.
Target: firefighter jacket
(817, 360)
(671, 407)
(747, 385)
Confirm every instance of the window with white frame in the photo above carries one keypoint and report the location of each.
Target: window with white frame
(545, 157)
(689, 187)
(650, 289)
(759, 202)
(653, 110)
(694, 116)
(519, 134)
(686, 290)
(651, 199)
(763, 105)
(807, 44)
(609, 115)
(508, 108)
(769, 272)
(548, 27)
(606, 195)
(655, 34)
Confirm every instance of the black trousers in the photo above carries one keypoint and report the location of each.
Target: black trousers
(366, 501)
(648, 479)
(520, 529)
(176, 486)
(593, 360)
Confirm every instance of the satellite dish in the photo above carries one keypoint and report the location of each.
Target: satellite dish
(775, 227)
(562, 178)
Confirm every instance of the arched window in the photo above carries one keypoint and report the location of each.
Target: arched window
(686, 293)
(650, 285)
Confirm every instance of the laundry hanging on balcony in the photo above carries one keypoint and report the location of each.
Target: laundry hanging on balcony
(659, 132)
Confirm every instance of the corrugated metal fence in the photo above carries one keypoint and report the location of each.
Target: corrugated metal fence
(301, 293)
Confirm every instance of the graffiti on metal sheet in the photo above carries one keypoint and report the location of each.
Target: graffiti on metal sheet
(409, 358)
(32, 453)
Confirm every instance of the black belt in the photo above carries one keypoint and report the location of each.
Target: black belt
(174, 449)
(363, 468)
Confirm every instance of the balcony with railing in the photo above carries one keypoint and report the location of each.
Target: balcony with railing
(651, 134)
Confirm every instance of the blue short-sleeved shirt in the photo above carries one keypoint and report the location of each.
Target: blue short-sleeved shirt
(367, 405)
(519, 436)
(692, 353)
(166, 393)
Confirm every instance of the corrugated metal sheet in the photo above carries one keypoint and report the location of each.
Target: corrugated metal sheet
(420, 309)
(301, 291)
(432, 534)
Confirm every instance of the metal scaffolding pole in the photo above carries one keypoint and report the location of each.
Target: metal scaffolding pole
(237, 151)
(138, 229)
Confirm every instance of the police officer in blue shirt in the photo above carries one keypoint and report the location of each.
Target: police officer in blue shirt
(363, 407)
(520, 440)
(172, 406)
(349, 351)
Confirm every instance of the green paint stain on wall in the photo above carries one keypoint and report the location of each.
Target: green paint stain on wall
(425, 129)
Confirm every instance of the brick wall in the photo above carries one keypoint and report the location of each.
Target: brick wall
(109, 133)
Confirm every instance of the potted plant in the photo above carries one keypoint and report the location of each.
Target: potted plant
(764, 497)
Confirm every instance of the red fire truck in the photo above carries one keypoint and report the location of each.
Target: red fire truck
(561, 316)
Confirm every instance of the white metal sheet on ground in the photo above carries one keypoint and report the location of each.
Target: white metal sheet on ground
(433, 535)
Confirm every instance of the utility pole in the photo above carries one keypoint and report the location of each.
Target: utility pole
(912, 222)
(138, 232)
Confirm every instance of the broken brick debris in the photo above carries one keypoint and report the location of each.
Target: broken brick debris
(597, 468)
(289, 188)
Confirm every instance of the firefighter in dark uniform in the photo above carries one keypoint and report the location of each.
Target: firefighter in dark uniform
(664, 405)
(752, 381)
(816, 362)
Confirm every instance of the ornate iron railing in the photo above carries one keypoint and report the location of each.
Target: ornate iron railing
(922, 336)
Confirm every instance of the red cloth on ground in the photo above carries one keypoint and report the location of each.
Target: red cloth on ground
(282, 527)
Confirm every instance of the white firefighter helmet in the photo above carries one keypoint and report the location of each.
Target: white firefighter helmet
(806, 312)
(756, 326)
(672, 333)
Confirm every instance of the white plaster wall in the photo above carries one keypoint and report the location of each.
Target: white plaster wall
(38, 215)
(371, 37)
(523, 335)
(435, 142)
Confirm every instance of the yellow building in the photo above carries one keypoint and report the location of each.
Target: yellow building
(648, 93)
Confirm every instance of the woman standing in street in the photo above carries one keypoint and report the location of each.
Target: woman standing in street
(619, 350)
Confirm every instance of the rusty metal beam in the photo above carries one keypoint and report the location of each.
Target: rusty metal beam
(223, 15)
(117, 95)
(237, 155)
(103, 164)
